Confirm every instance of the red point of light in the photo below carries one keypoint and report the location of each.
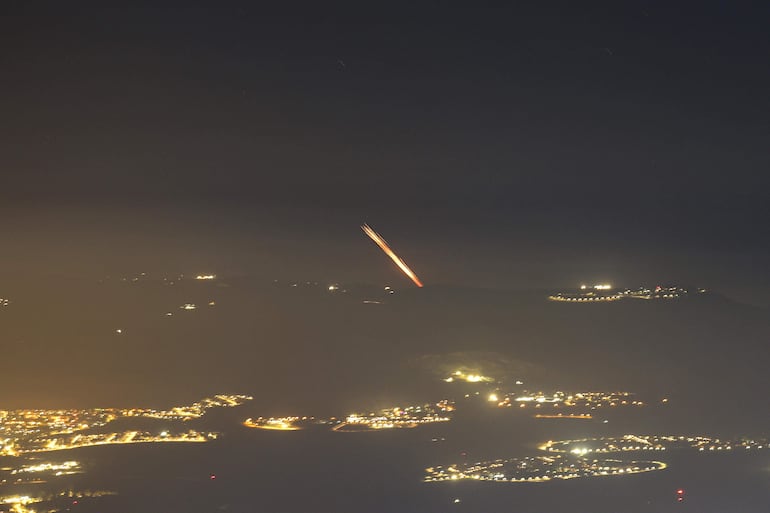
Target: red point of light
(680, 491)
(213, 476)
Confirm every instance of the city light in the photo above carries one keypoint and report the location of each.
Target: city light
(30, 431)
(588, 295)
(636, 443)
(539, 469)
(64, 468)
(459, 375)
(397, 417)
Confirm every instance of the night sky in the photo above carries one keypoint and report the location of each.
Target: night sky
(631, 138)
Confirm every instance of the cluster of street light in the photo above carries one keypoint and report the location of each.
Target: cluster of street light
(55, 502)
(389, 418)
(537, 469)
(600, 293)
(469, 377)
(37, 472)
(634, 443)
(588, 401)
(25, 431)
(569, 459)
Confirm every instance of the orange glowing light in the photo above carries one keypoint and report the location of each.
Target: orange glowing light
(384, 247)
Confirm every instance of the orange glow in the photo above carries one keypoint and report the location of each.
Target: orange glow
(384, 246)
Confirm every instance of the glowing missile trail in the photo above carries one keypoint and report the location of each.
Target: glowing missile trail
(384, 246)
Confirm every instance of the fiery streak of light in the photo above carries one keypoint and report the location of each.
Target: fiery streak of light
(384, 247)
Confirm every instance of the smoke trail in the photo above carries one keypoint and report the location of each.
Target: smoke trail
(384, 247)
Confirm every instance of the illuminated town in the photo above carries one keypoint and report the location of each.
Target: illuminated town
(459, 375)
(553, 405)
(38, 473)
(594, 293)
(49, 503)
(193, 411)
(54, 443)
(523, 398)
(58, 469)
(281, 423)
(407, 417)
(606, 292)
(389, 418)
(537, 469)
(630, 442)
(572, 459)
(588, 401)
(26, 431)
(585, 402)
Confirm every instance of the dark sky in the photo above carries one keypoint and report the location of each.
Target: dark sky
(535, 144)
